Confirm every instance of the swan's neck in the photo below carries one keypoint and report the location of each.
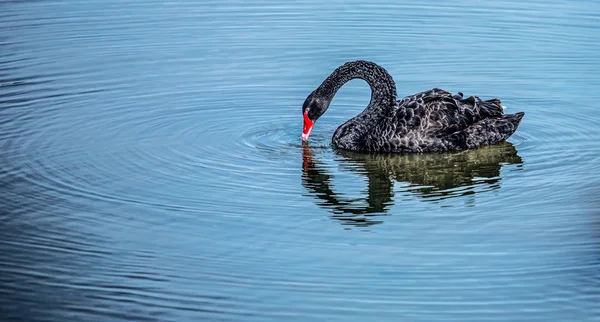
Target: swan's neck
(383, 88)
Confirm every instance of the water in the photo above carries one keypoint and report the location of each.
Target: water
(151, 164)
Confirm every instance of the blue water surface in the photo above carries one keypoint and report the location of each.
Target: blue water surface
(151, 167)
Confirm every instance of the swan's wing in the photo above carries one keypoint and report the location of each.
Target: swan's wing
(437, 112)
(435, 120)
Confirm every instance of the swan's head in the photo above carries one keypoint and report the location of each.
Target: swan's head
(314, 106)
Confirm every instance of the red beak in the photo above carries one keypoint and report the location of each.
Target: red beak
(308, 126)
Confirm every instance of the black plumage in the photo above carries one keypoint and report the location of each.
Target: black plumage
(430, 121)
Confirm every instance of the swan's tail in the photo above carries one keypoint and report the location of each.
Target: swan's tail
(496, 102)
(493, 107)
(487, 131)
(476, 106)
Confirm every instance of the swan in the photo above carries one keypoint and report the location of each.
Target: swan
(430, 121)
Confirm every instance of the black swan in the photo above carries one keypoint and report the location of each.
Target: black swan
(430, 121)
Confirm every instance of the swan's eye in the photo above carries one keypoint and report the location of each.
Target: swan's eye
(306, 110)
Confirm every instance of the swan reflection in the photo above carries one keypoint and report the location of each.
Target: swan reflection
(427, 177)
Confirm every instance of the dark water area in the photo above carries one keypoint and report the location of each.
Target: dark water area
(151, 167)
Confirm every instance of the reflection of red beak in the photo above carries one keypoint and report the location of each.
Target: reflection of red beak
(308, 126)
(307, 163)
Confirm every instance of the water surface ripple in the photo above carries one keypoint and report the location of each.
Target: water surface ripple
(152, 169)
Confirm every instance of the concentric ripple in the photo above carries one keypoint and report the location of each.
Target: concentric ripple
(152, 168)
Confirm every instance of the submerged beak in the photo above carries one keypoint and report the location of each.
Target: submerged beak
(308, 126)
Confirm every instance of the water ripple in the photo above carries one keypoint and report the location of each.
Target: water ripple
(152, 169)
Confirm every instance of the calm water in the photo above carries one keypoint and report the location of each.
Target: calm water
(151, 165)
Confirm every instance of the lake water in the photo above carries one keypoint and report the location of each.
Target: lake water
(151, 167)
